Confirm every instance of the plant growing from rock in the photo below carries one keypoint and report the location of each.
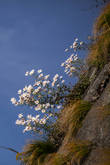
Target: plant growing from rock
(44, 96)
(35, 152)
(75, 66)
(78, 112)
(47, 96)
(99, 53)
(75, 153)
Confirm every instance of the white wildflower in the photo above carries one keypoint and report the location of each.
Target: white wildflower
(37, 116)
(44, 83)
(76, 39)
(27, 128)
(75, 44)
(53, 84)
(62, 64)
(43, 110)
(47, 105)
(52, 106)
(20, 115)
(29, 117)
(37, 83)
(81, 43)
(20, 122)
(37, 102)
(73, 68)
(39, 71)
(66, 49)
(71, 46)
(76, 57)
(29, 88)
(63, 81)
(31, 72)
(43, 121)
(46, 77)
(55, 78)
(50, 114)
(13, 100)
(25, 88)
(37, 90)
(23, 95)
(41, 75)
(27, 73)
(59, 106)
(38, 107)
(19, 91)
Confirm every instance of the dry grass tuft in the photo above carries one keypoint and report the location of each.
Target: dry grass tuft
(103, 21)
(80, 151)
(100, 49)
(78, 114)
(35, 152)
(61, 159)
(76, 152)
(72, 116)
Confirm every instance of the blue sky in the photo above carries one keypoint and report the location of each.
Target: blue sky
(33, 34)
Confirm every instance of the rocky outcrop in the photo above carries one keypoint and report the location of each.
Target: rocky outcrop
(95, 127)
(99, 84)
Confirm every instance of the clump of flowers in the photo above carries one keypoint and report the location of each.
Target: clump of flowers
(45, 96)
(74, 65)
(76, 45)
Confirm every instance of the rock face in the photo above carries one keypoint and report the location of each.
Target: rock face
(96, 125)
(98, 86)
